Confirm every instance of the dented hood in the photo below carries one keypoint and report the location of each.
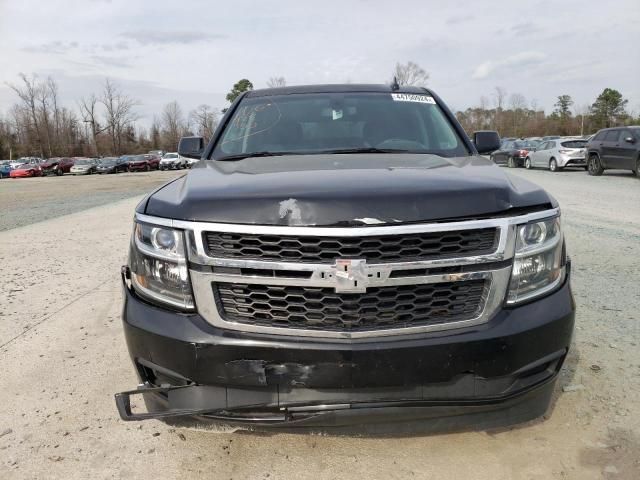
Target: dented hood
(344, 189)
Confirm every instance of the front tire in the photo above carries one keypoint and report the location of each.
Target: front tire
(59, 172)
(637, 171)
(511, 162)
(527, 163)
(595, 166)
(553, 165)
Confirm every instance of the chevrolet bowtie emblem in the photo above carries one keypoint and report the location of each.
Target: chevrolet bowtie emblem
(351, 276)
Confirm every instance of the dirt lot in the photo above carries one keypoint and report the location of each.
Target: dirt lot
(62, 356)
(28, 200)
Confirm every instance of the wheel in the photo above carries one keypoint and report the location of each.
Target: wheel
(511, 163)
(527, 163)
(553, 165)
(594, 165)
(59, 172)
(147, 168)
(491, 158)
(637, 171)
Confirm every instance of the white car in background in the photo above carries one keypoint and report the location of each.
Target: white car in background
(192, 161)
(173, 161)
(558, 154)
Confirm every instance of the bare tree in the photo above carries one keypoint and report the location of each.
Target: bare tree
(119, 114)
(52, 90)
(274, 82)
(205, 120)
(517, 103)
(28, 95)
(89, 113)
(499, 97)
(173, 125)
(410, 74)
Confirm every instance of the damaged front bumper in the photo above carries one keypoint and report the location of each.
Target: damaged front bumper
(496, 374)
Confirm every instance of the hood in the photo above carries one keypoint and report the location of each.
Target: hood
(81, 167)
(332, 190)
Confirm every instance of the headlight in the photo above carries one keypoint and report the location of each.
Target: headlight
(539, 263)
(159, 265)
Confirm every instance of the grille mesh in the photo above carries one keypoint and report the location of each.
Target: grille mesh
(382, 248)
(324, 309)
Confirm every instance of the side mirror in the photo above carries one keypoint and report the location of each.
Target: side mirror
(191, 147)
(630, 140)
(486, 141)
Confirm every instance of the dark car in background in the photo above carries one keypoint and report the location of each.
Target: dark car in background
(138, 163)
(513, 153)
(614, 148)
(112, 165)
(57, 166)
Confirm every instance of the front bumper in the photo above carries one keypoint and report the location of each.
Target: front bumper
(143, 166)
(495, 374)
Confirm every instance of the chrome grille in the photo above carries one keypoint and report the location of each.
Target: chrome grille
(324, 309)
(376, 248)
(224, 285)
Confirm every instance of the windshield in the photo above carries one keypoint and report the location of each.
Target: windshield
(108, 161)
(329, 122)
(170, 156)
(83, 162)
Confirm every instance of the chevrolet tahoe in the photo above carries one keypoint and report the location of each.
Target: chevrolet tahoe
(343, 257)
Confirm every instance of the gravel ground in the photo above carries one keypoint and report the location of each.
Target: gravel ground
(24, 201)
(62, 357)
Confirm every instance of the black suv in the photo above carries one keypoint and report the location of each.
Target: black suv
(342, 255)
(614, 148)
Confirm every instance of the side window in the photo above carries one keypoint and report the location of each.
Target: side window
(612, 136)
(624, 134)
(600, 136)
(551, 145)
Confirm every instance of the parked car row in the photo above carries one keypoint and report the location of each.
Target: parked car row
(37, 167)
(610, 148)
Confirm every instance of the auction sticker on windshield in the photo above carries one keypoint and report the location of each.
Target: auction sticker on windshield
(410, 97)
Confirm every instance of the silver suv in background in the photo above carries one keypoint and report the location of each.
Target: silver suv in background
(558, 154)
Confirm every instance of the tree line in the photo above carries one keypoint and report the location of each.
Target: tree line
(106, 122)
(513, 116)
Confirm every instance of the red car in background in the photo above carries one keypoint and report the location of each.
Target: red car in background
(153, 160)
(26, 170)
(138, 163)
(57, 166)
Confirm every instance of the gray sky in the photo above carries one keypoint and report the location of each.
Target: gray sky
(193, 51)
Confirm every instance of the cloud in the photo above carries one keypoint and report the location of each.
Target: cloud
(118, 62)
(459, 19)
(153, 37)
(55, 47)
(518, 60)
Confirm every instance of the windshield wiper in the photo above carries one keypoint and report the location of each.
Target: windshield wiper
(240, 156)
(370, 150)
